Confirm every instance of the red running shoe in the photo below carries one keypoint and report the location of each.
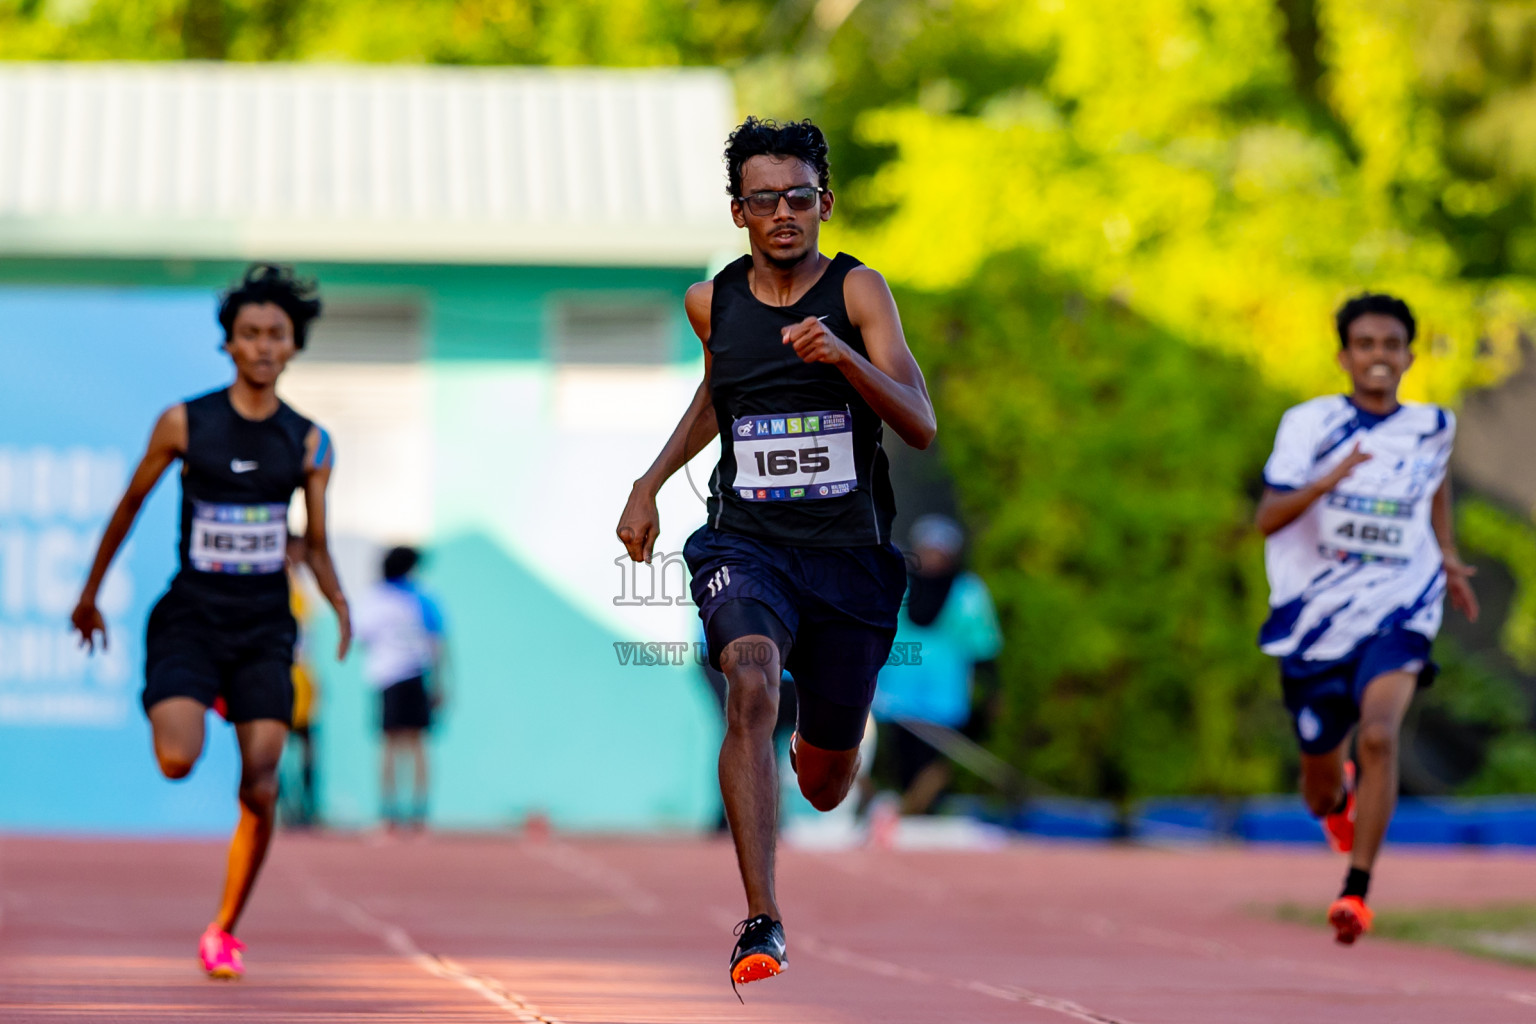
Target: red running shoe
(1339, 827)
(1350, 918)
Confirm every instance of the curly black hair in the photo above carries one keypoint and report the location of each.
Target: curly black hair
(1373, 302)
(274, 283)
(755, 137)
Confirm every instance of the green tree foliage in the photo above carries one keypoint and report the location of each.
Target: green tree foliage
(1120, 230)
(1107, 468)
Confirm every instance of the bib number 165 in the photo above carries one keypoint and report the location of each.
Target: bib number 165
(789, 461)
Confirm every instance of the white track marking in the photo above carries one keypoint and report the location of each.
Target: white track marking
(573, 861)
(399, 940)
(940, 893)
(1009, 993)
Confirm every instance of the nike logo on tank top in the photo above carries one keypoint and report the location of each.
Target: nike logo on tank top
(801, 459)
(238, 476)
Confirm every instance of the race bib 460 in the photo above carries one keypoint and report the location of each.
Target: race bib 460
(794, 457)
(238, 538)
(1367, 529)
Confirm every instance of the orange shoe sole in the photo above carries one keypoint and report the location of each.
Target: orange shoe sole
(755, 968)
(1350, 919)
(224, 974)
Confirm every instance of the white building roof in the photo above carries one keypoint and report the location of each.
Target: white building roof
(379, 164)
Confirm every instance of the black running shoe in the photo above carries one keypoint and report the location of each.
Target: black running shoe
(759, 952)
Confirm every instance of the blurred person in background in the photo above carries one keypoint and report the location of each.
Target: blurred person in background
(805, 363)
(949, 626)
(297, 795)
(1360, 551)
(223, 635)
(401, 631)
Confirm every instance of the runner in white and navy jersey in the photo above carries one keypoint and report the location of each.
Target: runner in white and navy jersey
(1360, 554)
(805, 364)
(223, 635)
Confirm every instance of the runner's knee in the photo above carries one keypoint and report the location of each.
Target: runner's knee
(752, 703)
(827, 789)
(1377, 741)
(174, 763)
(258, 787)
(1321, 800)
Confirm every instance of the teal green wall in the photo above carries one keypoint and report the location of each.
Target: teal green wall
(542, 717)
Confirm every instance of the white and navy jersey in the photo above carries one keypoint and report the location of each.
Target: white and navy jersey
(1363, 558)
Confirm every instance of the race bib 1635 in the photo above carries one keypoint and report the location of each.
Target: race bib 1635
(238, 538)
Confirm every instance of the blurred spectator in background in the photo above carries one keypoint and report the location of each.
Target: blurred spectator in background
(401, 630)
(949, 626)
(296, 790)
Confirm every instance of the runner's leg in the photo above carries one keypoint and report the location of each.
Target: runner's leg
(177, 726)
(748, 776)
(1382, 708)
(261, 747)
(1322, 779)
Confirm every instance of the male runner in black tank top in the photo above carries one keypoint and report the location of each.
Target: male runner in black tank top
(804, 359)
(223, 631)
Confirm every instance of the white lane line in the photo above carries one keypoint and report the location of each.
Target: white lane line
(1009, 993)
(1096, 924)
(582, 865)
(845, 957)
(399, 940)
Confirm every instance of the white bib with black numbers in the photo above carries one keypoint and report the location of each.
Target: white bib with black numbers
(794, 457)
(1360, 529)
(248, 539)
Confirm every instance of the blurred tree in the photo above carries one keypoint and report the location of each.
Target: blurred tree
(1090, 208)
(1107, 468)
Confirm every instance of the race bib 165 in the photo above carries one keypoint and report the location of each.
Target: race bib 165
(794, 457)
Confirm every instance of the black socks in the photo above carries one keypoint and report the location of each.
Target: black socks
(1355, 883)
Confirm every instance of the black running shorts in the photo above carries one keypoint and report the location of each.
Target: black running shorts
(248, 661)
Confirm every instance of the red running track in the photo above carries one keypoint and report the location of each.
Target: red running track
(583, 931)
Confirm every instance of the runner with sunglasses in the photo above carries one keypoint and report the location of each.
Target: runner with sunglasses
(804, 359)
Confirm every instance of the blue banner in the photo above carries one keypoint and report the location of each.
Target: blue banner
(86, 372)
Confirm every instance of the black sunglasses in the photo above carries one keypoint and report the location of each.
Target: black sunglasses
(764, 204)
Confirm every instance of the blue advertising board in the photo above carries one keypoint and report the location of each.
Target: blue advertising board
(85, 373)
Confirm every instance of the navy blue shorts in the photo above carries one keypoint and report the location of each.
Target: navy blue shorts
(1324, 697)
(834, 609)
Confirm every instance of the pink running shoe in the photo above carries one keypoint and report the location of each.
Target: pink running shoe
(220, 953)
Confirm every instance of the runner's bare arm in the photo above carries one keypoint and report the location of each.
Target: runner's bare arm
(641, 523)
(1279, 509)
(890, 379)
(167, 442)
(1458, 574)
(319, 457)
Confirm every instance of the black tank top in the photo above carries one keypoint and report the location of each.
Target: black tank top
(801, 460)
(237, 478)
